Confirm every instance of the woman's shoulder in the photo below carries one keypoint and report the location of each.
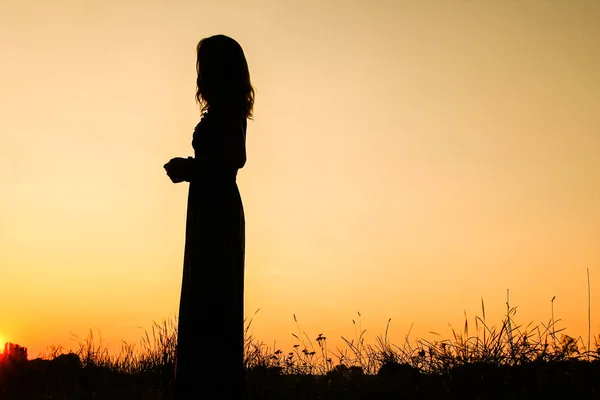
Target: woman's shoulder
(218, 120)
(204, 120)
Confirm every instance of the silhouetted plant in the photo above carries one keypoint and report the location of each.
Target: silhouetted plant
(486, 359)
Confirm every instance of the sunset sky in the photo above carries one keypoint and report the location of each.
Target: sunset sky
(407, 159)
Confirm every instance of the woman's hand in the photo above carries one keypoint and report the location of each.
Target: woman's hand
(179, 169)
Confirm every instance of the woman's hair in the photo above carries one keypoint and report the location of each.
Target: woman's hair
(223, 75)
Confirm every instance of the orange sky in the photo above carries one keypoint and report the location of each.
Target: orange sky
(407, 159)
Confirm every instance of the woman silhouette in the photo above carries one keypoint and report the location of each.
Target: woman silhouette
(210, 342)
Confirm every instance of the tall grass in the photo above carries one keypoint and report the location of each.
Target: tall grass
(480, 360)
(507, 344)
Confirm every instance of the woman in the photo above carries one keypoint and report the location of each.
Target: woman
(210, 340)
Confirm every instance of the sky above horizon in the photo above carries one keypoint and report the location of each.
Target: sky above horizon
(407, 159)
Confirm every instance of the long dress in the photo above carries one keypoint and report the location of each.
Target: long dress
(209, 361)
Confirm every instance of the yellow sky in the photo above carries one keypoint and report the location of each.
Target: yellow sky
(407, 159)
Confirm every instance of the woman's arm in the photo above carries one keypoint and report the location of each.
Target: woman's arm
(233, 155)
(234, 149)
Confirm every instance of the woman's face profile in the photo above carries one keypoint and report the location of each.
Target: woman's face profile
(208, 74)
(222, 75)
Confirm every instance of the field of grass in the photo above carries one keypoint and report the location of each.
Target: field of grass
(508, 361)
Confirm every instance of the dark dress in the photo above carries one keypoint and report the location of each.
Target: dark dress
(209, 363)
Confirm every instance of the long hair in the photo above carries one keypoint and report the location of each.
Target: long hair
(223, 75)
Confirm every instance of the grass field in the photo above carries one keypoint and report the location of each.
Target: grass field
(507, 361)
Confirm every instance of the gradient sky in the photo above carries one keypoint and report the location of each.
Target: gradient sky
(407, 159)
